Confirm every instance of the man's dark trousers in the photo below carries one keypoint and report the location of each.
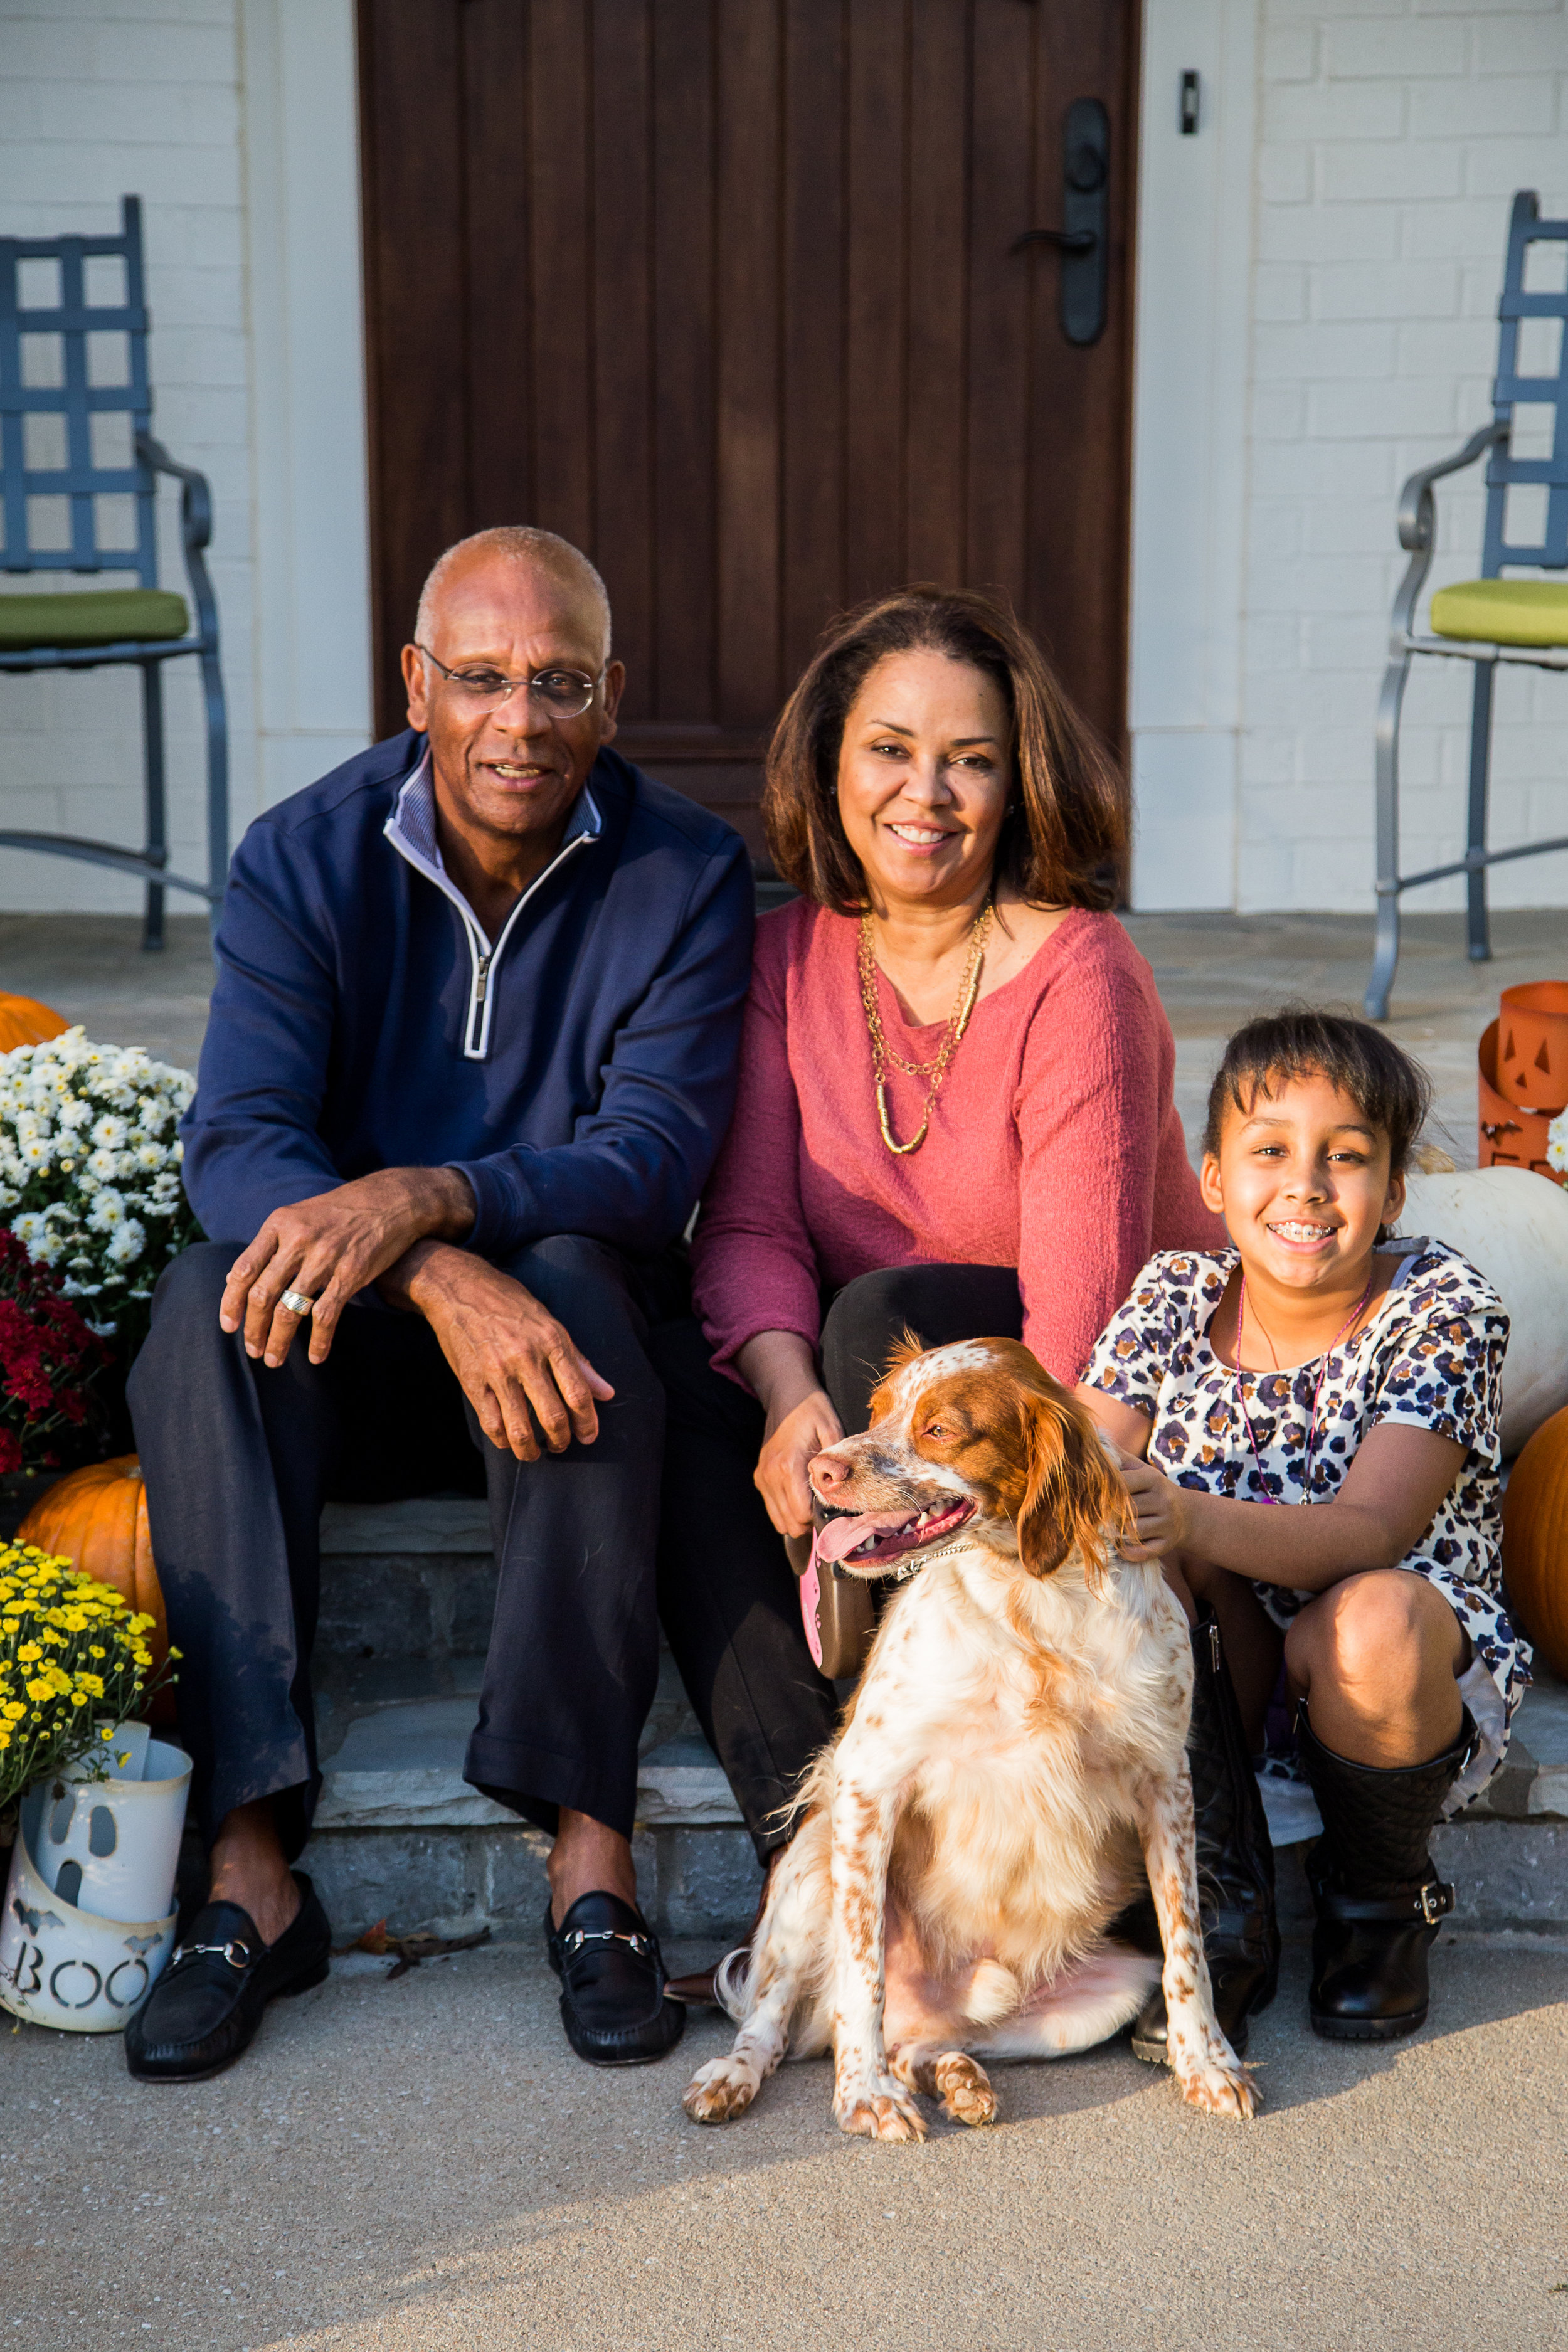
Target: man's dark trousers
(240, 1459)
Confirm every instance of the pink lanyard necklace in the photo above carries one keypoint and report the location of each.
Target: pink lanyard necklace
(1317, 1392)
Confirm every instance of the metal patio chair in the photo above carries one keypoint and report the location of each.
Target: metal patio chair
(1485, 620)
(64, 487)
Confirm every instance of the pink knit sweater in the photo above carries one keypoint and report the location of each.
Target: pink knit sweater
(1055, 1145)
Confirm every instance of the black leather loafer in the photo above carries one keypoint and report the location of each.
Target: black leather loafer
(613, 2001)
(202, 2013)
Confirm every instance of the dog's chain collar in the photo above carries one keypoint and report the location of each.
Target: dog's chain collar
(923, 1560)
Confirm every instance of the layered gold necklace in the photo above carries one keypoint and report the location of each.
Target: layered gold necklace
(933, 1071)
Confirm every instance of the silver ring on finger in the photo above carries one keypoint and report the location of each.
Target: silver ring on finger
(296, 1302)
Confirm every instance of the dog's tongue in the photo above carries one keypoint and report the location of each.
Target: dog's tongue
(839, 1538)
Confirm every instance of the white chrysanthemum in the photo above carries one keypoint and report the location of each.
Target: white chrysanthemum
(107, 1209)
(112, 1133)
(127, 1242)
(1557, 1143)
(150, 1156)
(27, 1227)
(104, 1165)
(49, 1248)
(73, 1114)
(36, 1152)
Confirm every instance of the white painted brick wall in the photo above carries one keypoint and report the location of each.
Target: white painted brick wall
(100, 99)
(1392, 136)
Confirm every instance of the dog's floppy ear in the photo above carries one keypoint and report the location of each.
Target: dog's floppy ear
(1071, 1492)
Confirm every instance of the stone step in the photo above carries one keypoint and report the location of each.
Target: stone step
(408, 1589)
(407, 1594)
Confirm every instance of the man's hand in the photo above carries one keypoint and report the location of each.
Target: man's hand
(518, 1366)
(1161, 1507)
(330, 1247)
(781, 1371)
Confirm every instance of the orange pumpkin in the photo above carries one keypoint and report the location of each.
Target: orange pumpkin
(24, 1022)
(97, 1518)
(1535, 1539)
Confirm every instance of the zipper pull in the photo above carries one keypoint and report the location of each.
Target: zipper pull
(1215, 1653)
(483, 980)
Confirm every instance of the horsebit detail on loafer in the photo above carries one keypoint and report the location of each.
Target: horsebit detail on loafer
(573, 1944)
(226, 1951)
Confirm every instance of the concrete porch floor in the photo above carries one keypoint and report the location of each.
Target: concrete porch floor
(1213, 971)
(439, 2171)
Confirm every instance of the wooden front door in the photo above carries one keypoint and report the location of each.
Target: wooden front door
(726, 292)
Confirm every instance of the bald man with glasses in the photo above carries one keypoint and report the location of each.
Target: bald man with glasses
(470, 1056)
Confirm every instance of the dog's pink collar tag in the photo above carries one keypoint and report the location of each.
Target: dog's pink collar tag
(810, 1602)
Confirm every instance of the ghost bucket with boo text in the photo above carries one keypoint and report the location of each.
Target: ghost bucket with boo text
(89, 1922)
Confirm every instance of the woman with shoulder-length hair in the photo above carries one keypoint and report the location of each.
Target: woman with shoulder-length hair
(955, 1112)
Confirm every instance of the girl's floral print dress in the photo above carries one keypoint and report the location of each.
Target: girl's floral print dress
(1430, 1355)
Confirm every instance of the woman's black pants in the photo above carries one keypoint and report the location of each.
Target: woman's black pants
(726, 1592)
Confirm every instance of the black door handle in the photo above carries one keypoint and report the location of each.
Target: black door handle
(1070, 240)
(1082, 238)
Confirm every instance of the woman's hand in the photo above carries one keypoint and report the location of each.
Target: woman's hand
(1161, 1507)
(780, 1475)
(780, 1372)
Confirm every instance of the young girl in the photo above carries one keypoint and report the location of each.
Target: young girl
(1320, 1361)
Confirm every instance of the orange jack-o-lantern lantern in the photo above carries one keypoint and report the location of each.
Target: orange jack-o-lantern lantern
(1533, 1045)
(1510, 1136)
(24, 1022)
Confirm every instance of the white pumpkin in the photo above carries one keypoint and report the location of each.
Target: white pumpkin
(1512, 1224)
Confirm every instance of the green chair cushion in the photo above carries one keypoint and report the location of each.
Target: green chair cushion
(94, 616)
(1504, 612)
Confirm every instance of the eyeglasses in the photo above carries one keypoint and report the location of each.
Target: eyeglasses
(562, 693)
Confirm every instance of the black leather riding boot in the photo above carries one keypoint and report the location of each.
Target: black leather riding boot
(1377, 1896)
(1235, 1860)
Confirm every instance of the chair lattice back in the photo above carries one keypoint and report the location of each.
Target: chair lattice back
(75, 495)
(1514, 389)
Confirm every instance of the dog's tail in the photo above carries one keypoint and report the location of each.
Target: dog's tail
(731, 1984)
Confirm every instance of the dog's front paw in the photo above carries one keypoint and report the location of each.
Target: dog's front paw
(1217, 2081)
(721, 2091)
(875, 2108)
(965, 2088)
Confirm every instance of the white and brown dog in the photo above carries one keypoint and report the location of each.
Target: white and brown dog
(1013, 1761)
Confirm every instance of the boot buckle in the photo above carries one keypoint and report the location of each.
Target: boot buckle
(1435, 1900)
